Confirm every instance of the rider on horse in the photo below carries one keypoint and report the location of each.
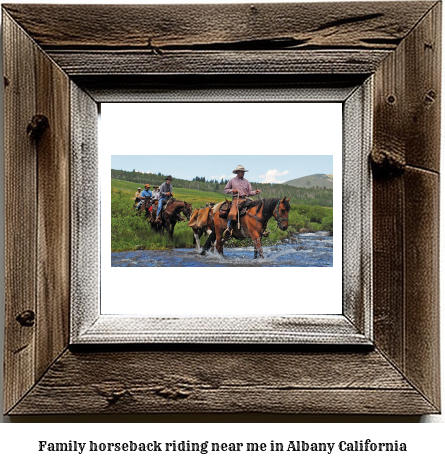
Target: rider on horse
(165, 192)
(156, 193)
(240, 188)
(146, 194)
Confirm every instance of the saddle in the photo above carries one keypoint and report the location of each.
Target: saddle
(165, 204)
(225, 208)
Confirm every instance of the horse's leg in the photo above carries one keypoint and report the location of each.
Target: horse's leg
(218, 235)
(258, 248)
(197, 238)
(255, 231)
(172, 228)
(209, 242)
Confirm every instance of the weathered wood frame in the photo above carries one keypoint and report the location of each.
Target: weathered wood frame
(90, 323)
(95, 52)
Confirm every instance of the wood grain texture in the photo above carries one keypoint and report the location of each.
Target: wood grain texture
(408, 83)
(85, 234)
(109, 329)
(79, 63)
(398, 42)
(422, 364)
(342, 25)
(191, 87)
(223, 382)
(53, 201)
(357, 209)
(20, 212)
(423, 91)
(406, 221)
(388, 200)
(388, 268)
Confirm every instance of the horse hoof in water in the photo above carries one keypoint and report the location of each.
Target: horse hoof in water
(204, 252)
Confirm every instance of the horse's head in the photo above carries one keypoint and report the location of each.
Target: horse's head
(281, 213)
(187, 210)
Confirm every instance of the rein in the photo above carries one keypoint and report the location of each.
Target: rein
(174, 212)
(278, 218)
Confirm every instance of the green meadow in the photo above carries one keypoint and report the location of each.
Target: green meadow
(132, 232)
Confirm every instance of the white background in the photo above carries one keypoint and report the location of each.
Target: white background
(208, 129)
(18, 442)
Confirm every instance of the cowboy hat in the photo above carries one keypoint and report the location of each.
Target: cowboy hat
(239, 168)
(147, 185)
(168, 178)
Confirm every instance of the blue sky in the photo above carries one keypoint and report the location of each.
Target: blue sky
(262, 168)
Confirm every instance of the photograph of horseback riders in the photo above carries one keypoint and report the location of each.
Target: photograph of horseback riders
(222, 211)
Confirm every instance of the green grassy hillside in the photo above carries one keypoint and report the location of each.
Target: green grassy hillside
(305, 195)
(315, 180)
(131, 232)
(197, 198)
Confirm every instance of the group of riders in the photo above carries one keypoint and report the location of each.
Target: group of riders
(239, 218)
(239, 187)
(161, 194)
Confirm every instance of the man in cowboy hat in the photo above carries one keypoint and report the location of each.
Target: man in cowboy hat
(146, 194)
(240, 188)
(137, 196)
(165, 192)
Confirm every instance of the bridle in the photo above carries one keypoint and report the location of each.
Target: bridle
(278, 218)
(178, 215)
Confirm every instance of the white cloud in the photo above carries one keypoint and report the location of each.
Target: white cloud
(221, 176)
(271, 176)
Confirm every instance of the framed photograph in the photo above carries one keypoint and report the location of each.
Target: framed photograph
(188, 165)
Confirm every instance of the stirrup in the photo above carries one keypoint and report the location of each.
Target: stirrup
(228, 232)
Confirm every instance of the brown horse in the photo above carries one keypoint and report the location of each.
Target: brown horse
(254, 223)
(201, 223)
(170, 216)
(145, 208)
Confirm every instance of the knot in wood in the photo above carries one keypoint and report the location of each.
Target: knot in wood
(430, 97)
(173, 393)
(113, 397)
(26, 318)
(386, 162)
(37, 126)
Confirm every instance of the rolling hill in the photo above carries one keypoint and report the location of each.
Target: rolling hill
(315, 180)
(311, 195)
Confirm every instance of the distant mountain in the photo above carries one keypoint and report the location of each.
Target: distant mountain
(315, 180)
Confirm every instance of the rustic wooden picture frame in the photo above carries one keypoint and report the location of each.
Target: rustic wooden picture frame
(81, 55)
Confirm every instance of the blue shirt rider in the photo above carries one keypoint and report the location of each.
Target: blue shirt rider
(165, 192)
(146, 194)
